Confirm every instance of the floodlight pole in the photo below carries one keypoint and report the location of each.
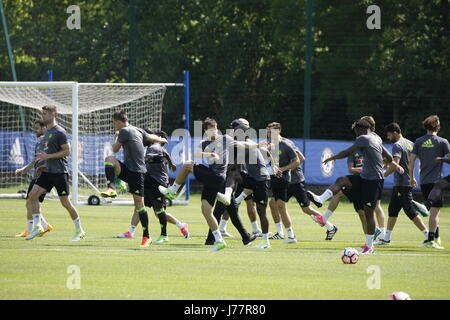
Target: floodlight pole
(307, 88)
(132, 42)
(187, 120)
(11, 59)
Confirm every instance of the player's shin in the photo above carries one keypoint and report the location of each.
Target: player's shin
(162, 221)
(143, 218)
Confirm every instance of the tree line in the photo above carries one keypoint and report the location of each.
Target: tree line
(247, 57)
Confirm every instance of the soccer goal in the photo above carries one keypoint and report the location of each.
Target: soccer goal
(85, 111)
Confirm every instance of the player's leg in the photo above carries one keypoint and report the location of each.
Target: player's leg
(434, 202)
(61, 184)
(180, 225)
(136, 185)
(436, 194)
(67, 204)
(207, 204)
(261, 196)
(379, 213)
(34, 208)
(141, 211)
(232, 212)
(113, 168)
(160, 213)
(212, 184)
(232, 177)
(279, 234)
(47, 227)
(411, 212)
(328, 193)
(171, 191)
(394, 208)
(252, 215)
(125, 175)
(218, 211)
(370, 194)
(224, 222)
(433, 240)
(298, 190)
(332, 206)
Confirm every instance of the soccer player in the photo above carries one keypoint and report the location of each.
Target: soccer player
(215, 150)
(231, 209)
(297, 189)
(132, 170)
(379, 212)
(286, 159)
(370, 180)
(402, 192)
(235, 179)
(158, 161)
(427, 148)
(55, 154)
(354, 165)
(37, 167)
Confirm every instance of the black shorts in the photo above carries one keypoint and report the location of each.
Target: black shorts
(260, 189)
(279, 188)
(447, 178)
(298, 190)
(135, 180)
(152, 196)
(212, 182)
(353, 194)
(41, 197)
(401, 197)
(58, 180)
(370, 191)
(426, 189)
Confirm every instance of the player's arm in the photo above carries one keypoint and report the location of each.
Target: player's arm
(65, 152)
(352, 169)
(203, 155)
(392, 168)
(411, 165)
(343, 154)
(295, 162)
(155, 138)
(172, 166)
(268, 156)
(390, 161)
(300, 156)
(117, 145)
(443, 160)
(28, 167)
(245, 144)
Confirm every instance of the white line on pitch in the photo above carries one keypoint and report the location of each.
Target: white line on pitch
(196, 250)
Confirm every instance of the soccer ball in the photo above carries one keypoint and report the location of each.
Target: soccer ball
(350, 256)
(399, 295)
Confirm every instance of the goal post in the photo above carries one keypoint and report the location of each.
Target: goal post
(85, 111)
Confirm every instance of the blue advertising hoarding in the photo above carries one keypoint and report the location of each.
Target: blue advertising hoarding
(17, 149)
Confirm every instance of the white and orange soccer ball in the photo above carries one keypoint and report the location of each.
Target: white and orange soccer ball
(350, 256)
(399, 295)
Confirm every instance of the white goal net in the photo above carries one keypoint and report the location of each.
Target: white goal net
(85, 110)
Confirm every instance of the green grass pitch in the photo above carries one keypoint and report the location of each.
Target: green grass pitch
(184, 268)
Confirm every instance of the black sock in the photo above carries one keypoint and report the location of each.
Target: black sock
(143, 217)
(110, 176)
(430, 236)
(162, 221)
(436, 234)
